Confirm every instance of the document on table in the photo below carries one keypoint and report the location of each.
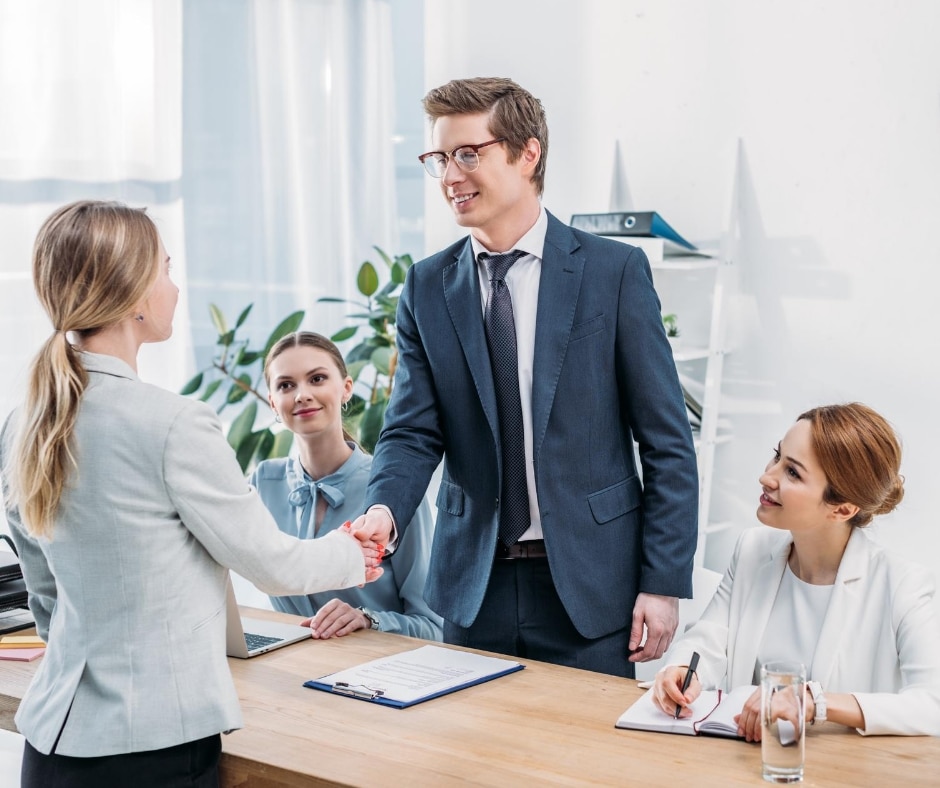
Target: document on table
(414, 676)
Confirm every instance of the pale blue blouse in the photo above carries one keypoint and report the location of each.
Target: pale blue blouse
(396, 599)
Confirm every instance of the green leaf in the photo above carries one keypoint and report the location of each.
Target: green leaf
(246, 450)
(242, 426)
(237, 393)
(265, 444)
(344, 333)
(243, 316)
(361, 352)
(287, 325)
(248, 357)
(384, 256)
(380, 359)
(371, 425)
(218, 319)
(226, 338)
(282, 443)
(353, 368)
(398, 273)
(193, 386)
(368, 279)
(210, 390)
(356, 407)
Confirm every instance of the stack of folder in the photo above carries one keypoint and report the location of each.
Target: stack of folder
(21, 648)
(14, 600)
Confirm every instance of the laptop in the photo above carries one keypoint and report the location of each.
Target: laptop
(248, 637)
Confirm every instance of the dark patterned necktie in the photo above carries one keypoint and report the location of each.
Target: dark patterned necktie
(501, 339)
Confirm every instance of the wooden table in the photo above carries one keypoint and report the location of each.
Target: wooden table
(545, 724)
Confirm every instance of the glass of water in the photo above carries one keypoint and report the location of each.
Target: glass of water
(783, 703)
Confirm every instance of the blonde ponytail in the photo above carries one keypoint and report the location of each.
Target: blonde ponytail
(42, 448)
(93, 262)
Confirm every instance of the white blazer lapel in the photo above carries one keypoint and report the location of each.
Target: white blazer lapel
(755, 611)
(844, 600)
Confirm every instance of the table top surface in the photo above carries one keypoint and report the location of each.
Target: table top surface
(545, 724)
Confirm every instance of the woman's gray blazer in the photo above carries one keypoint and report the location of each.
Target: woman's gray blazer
(129, 591)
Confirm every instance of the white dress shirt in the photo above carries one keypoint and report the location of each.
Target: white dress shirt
(522, 279)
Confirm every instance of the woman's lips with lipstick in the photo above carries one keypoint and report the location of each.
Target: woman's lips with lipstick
(766, 500)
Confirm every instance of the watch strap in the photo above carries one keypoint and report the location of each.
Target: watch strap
(819, 702)
(370, 617)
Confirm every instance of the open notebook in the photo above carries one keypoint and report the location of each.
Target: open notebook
(247, 637)
(713, 713)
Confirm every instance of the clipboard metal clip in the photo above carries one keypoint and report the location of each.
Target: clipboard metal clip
(357, 690)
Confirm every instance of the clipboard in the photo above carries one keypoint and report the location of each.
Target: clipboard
(411, 677)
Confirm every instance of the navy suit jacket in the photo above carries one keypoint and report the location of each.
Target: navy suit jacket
(603, 377)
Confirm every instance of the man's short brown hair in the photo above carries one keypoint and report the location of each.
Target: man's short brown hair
(514, 113)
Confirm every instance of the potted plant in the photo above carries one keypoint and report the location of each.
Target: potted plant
(235, 379)
(671, 324)
(371, 363)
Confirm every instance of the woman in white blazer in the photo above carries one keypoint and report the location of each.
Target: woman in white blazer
(127, 506)
(815, 589)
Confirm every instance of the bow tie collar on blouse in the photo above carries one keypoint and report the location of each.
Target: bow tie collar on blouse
(304, 493)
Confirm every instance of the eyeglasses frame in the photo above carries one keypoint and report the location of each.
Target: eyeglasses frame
(448, 157)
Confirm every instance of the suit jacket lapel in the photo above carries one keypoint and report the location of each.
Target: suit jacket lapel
(559, 289)
(464, 305)
(844, 599)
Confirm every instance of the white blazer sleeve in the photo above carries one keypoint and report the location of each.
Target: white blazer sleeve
(915, 709)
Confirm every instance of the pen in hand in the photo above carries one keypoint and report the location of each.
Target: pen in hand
(693, 664)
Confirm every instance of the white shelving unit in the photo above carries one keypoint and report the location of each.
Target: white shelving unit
(700, 358)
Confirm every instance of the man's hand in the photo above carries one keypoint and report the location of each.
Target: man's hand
(660, 614)
(374, 527)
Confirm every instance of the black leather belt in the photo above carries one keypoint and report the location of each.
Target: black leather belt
(534, 548)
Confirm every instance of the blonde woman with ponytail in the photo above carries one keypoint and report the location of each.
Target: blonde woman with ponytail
(127, 508)
(812, 587)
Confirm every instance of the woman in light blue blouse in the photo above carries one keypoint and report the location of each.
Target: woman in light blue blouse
(323, 487)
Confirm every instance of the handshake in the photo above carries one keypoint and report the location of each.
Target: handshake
(372, 531)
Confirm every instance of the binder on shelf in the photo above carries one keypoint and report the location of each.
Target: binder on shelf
(631, 224)
(414, 676)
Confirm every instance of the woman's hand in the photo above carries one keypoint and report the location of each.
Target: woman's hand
(335, 619)
(749, 718)
(372, 553)
(783, 706)
(667, 690)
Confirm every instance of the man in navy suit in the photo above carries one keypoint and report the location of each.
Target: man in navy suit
(601, 553)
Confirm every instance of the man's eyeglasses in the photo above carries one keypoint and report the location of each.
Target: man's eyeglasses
(467, 158)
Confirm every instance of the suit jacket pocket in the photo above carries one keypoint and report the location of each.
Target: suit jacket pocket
(586, 328)
(450, 498)
(616, 500)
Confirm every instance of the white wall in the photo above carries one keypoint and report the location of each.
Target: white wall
(837, 108)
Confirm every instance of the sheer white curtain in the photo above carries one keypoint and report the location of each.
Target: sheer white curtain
(288, 155)
(288, 185)
(325, 108)
(91, 97)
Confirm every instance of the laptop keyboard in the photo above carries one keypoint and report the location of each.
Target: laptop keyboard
(259, 641)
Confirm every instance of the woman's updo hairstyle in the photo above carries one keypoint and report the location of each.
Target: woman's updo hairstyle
(861, 456)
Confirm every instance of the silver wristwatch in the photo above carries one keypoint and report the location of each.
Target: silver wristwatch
(370, 617)
(819, 701)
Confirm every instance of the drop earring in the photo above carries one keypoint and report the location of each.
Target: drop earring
(277, 417)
